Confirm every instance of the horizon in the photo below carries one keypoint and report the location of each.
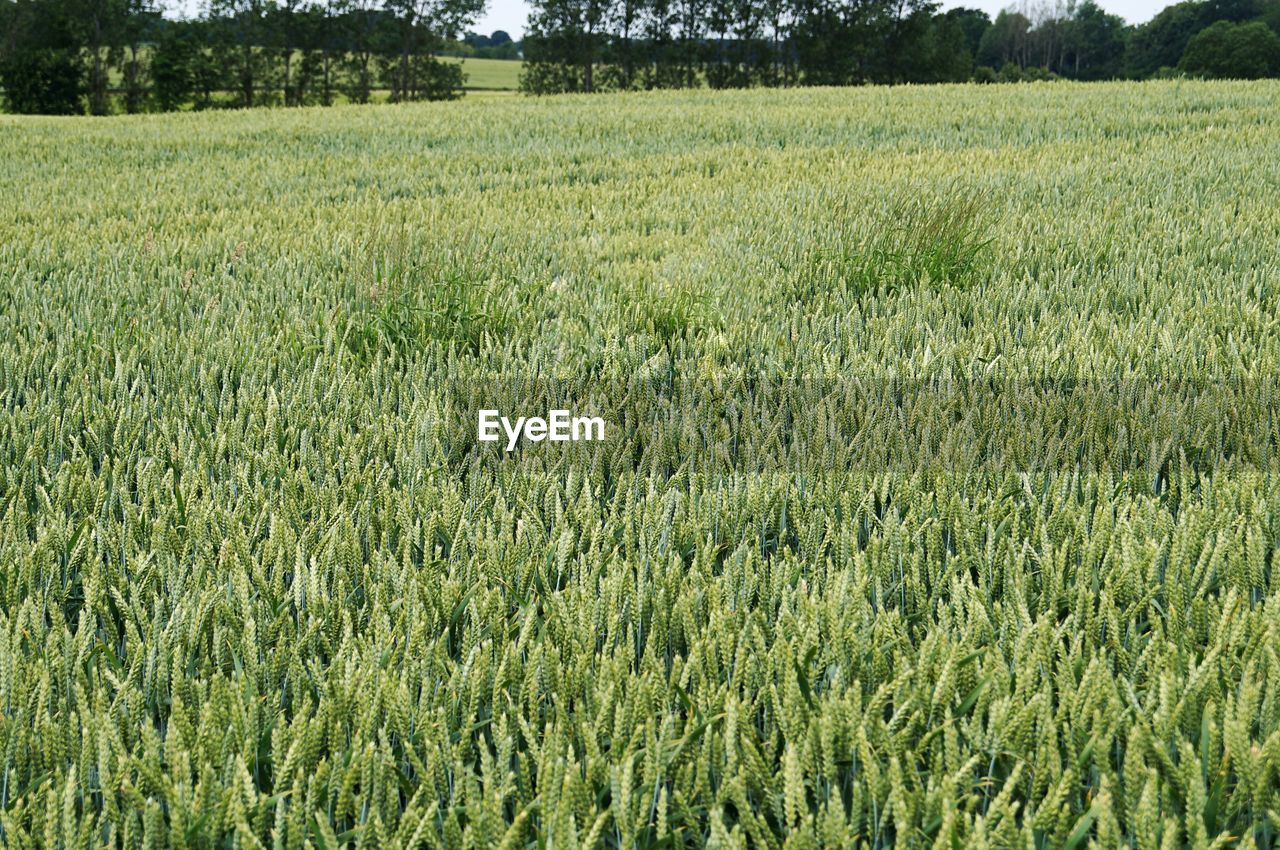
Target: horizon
(512, 15)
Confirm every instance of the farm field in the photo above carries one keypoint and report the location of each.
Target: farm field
(938, 504)
(489, 74)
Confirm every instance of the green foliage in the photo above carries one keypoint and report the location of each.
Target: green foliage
(1098, 42)
(981, 556)
(1006, 41)
(41, 69)
(403, 320)
(417, 75)
(403, 303)
(669, 314)
(42, 81)
(917, 242)
(1010, 73)
(1233, 51)
(174, 69)
(939, 243)
(1162, 41)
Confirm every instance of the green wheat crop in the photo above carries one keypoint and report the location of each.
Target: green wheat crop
(939, 507)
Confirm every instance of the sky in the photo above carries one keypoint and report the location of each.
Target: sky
(510, 15)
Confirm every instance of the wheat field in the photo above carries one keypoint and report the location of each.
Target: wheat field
(939, 505)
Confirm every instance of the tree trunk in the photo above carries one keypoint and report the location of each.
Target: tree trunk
(132, 83)
(288, 78)
(246, 76)
(627, 60)
(98, 83)
(326, 95)
(400, 85)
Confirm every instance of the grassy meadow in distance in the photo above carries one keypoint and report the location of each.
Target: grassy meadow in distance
(938, 507)
(489, 74)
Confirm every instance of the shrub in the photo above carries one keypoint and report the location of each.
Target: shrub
(1227, 50)
(41, 67)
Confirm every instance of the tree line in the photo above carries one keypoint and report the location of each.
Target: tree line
(69, 56)
(602, 45)
(103, 56)
(497, 45)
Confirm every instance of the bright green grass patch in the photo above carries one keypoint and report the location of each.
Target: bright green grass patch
(938, 506)
(490, 74)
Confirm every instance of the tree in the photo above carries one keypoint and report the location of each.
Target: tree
(240, 32)
(839, 43)
(565, 42)
(360, 28)
(322, 48)
(173, 67)
(1160, 42)
(909, 44)
(183, 69)
(420, 27)
(973, 23)
(1047, 37)
(623, 51)
(1271, 15)
(737, 54)
(1228, 50)
(1007, 40)
(102, 25)
(1095, 44)
(41, 67)
(142, 25)
(284, 24)
(944, 54)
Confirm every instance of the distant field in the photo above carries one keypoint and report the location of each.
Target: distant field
(939, 505)
(498, 74)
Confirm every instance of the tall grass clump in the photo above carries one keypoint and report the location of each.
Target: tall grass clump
(404, 299)
(918, 242)
(449, 308)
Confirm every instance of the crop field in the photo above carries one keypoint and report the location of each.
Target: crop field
(489, 74)
(938, 504)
